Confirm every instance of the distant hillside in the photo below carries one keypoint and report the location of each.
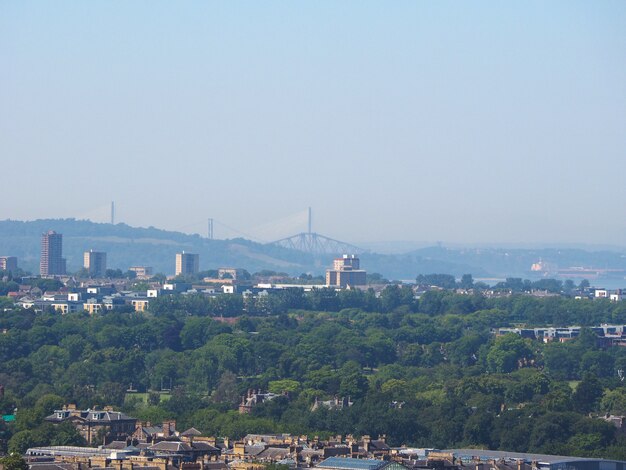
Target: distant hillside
(127, 246)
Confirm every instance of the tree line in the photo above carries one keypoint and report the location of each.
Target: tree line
(425, 372)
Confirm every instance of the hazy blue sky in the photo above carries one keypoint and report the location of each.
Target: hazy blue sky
(451, 121)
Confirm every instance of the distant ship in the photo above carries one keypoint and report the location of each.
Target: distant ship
(578, 272)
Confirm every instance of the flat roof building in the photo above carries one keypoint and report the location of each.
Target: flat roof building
(95, 262)
(142, 272)
(187, 263)
(346, 272)
(52, 261)
(537, 461)
(8, 263)
(348, 463)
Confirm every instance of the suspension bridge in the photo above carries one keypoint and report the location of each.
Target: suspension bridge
(306, 241)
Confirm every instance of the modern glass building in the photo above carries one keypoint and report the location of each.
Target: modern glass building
(346, 463)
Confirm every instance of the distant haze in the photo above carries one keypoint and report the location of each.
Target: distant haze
(459, 122)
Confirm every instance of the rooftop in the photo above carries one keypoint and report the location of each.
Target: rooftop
(352, 464)
(484, 455)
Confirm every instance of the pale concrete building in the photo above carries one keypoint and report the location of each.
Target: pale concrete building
(346, 272)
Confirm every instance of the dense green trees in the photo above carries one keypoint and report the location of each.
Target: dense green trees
(425, 372)
(445, 281)
(509, 352)
(13, 461)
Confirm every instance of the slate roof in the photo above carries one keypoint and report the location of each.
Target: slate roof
(92, 416)
(215, 466)
(115, 445)
(52, 466)
(171, 446)
(204, 446)
(151, 430)
(311, 452)
(191, 432)
(254, 450)
(274, 453)
(377, 444)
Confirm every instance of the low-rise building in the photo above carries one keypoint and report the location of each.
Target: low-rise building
(142, 272)
(504, 460)
(335, 403)
(347, 463)
(96, 426)
(140, 304)
(608, 335)
(253, 398)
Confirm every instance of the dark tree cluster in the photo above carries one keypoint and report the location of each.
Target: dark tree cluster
(425, 372)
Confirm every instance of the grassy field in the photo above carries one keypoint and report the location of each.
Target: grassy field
(143, 397)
